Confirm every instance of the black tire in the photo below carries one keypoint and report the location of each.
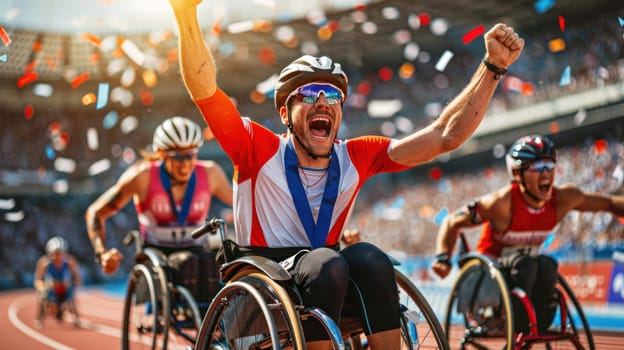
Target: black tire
(140, 315)
(416, 311)
(238, 318)
(577, 333)
(184, 320)
(485, 328)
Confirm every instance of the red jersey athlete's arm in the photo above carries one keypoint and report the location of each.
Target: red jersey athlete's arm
(225, 123)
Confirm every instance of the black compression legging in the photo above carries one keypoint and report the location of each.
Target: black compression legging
(357, 281)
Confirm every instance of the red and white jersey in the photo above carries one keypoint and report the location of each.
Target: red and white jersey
(157, 219)
(529, 226)
(264, 209)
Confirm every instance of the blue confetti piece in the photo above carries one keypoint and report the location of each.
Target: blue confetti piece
(621, 20)
(541, 6)
(110, 120)
(548, 241)
(50, 152)
(440, 216)
(102, 99)
(4, 57)
(565, 77)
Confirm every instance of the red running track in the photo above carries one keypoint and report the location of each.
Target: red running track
(101, 323)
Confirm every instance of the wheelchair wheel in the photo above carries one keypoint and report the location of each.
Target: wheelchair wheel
(184, 319)
(488, 324)
(569, 329)
(141, 325)
(243, 316)
(420, 328)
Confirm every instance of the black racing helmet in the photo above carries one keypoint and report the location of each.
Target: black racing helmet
(528, 149)
(307, 69)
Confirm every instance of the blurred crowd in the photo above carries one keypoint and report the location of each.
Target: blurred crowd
(400, 214)
(48, 154)
(404, 216)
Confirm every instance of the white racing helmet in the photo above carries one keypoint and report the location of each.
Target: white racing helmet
(177, 132)
(56, 244)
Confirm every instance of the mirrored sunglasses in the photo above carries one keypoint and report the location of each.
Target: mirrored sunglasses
(182, 156)
(309, 93)
(541, 165)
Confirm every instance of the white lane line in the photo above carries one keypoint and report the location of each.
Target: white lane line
(18, 304)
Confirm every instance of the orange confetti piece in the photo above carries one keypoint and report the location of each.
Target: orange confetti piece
(473, 34)
(94, 58)
(554, 127)
(556, 45)
(267, 56)
(6, 39)
(562, 23)
(146, 97)
(88, 99)
(27, 79)
(30, 66)
(81, 78)
(50, 62)
(527, 89)
(36, 46)
(92, 38)
(216, 28)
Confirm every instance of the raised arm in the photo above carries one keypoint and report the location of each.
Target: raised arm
(464, 113)
(573, 198)
(196, 62)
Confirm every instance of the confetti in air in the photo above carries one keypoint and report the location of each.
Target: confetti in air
(565, 77)
(443, 61)
(541, 6)
(102, 98)
(473, 34)
(5, 36)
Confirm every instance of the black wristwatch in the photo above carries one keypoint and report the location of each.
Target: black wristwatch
(443, 258)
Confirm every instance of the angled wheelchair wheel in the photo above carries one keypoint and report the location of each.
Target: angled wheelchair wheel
(244, 316)
(420, 328)
(184, 319)
(140, 325)
(479, 314)
(569, 329)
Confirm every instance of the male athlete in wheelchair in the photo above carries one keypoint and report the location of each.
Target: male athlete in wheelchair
(507, 275)
(172, 192)
(56, 277)
(295, 191)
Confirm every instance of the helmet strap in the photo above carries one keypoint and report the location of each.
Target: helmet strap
(291, 128)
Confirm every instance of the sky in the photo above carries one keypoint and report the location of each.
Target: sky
(68, 16)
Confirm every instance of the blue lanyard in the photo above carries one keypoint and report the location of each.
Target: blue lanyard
(188, 194)
(316, 232)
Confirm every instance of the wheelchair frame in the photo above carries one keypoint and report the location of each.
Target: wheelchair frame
(163, 298)
(259, 288)
(484, 335)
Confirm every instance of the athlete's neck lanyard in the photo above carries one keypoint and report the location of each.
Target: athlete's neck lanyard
(316, 232)
(188, 194)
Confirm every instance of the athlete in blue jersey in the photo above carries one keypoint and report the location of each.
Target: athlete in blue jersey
(56, 276)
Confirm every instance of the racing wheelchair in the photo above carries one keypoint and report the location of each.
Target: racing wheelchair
(480, 312)
(157, 313)
(260, 308)
(53, 302)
